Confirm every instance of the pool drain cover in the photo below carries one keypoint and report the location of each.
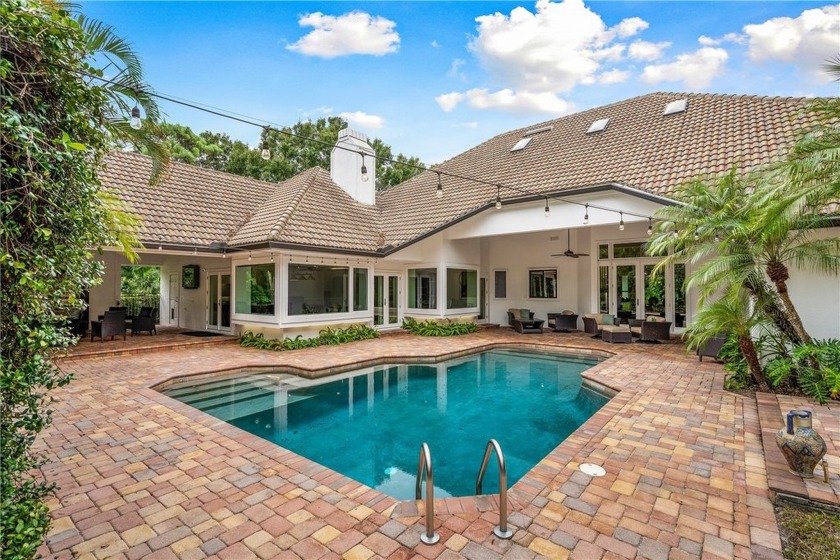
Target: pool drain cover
(592, 470)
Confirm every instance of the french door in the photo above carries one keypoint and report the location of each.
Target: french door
(218, 301)
(628, 289)
(386, 299)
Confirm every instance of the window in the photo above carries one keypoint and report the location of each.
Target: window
(360, 289)
(500, 284)
(255, 289)
(542, 283)
(422, 288)
(319, 289)
(628, 250)
(461, 288)
(603, 251)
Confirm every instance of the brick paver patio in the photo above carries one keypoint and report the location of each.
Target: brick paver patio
(143, 475)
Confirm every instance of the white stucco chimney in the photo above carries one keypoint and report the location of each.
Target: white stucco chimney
(346, 165)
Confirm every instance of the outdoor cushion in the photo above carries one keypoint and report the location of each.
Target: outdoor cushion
(606, 319)
(567, 312)
(514, 313)
(524, 314)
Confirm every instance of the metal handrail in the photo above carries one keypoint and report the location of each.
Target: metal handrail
(425, 464)
(502, 530)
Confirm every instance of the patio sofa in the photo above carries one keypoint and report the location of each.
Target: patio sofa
(522, 320)
(652, 329)
(564, 321)
(593, 323)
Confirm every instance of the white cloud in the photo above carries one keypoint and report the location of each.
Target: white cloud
(696, 70)
(631, 26)
(520, 103)
(469, 124)
(352, 33)
(614, 76)
(646, 51)
(435, 44)
(363, 120)
(455, 69)
(806, 40)
(555, 48)
(707, 41)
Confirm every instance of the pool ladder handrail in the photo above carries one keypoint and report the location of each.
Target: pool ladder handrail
(501, 530)
(425, 464)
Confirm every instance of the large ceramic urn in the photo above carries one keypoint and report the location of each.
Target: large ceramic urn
(801, 445)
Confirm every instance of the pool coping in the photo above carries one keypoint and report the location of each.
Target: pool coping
(519, 493)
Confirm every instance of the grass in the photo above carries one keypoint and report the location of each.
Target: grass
(809, 535)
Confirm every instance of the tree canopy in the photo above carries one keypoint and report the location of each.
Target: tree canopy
(294, 149)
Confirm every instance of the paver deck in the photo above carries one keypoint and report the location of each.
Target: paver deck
(143, 475)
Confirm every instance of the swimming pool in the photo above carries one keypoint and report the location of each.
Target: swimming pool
(369, 424)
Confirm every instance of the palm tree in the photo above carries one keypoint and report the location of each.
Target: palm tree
(731, 314)
(126, 90)
(711, 231)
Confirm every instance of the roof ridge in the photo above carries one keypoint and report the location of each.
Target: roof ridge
(283, 220)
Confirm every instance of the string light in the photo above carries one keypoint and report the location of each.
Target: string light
(547, 209)
(195, 250)
(586, 214)
(650, 226)
(224, 253)
(696, 236)
(250, 257)
(136, 123)
(364, 170)
(676, 233)
(439, 192)
(621, 222)
(160, 243)
(498, 199)
(271, 257)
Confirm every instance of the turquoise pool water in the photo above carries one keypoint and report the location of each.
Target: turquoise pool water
(369, 424)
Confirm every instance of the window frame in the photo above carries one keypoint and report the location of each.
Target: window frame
(531, 272)
(254, 317)
(495, 283)
(463, 287)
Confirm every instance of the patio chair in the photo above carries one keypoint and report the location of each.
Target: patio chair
(564, 321)
(711, 347)
(651, 330)
(144, 321)
(112, 324)
(593, 322)
(522, 320)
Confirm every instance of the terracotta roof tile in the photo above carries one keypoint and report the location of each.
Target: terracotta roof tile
(640, 148)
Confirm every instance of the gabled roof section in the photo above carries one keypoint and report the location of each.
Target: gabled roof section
(643, 150)
(190, 206)
(311, 210)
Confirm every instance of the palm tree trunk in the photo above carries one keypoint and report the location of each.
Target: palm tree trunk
(778, 274)
(745, 343)
(765, 300)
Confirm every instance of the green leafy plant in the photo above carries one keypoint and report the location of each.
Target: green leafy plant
(821, 382)
(325, 337)
(435, 328)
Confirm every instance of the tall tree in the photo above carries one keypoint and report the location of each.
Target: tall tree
(292, 150)
(56, 125)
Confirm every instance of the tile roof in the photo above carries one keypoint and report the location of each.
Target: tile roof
(640, 148)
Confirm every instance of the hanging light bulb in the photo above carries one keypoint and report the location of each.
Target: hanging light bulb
(547, 209)
(265, 153)
(717, 238)
(160, 243)
(586, 215)
(271, 258)
(621, 222)
(250, 257)
(439, 192)
(498, 199)
(364, 170)
(195, 250)
(135, 122)
(224, 253)
(650, 226)
(696, 236)
(676, 233)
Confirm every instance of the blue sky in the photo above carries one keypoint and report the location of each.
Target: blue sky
(433, 79)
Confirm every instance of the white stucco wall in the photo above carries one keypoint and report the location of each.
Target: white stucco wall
(817, 297)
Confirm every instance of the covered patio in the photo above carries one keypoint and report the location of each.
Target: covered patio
(142, 475)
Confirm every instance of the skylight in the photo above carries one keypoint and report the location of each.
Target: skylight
(677, 106)
(598, 126)
(521, 144)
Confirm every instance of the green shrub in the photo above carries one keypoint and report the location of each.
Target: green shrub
(735, 365)
(326, 336)
(815, 367)
(435, 328)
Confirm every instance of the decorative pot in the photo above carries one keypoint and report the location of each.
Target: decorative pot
(801, 445)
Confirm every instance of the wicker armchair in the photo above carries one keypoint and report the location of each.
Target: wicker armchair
(711, 347)
(563, 322)
(651, 330)
(592, 323)
(524, 325)
(144, 321)
(112, 324)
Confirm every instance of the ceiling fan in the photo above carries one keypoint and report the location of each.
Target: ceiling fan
(568, 252)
